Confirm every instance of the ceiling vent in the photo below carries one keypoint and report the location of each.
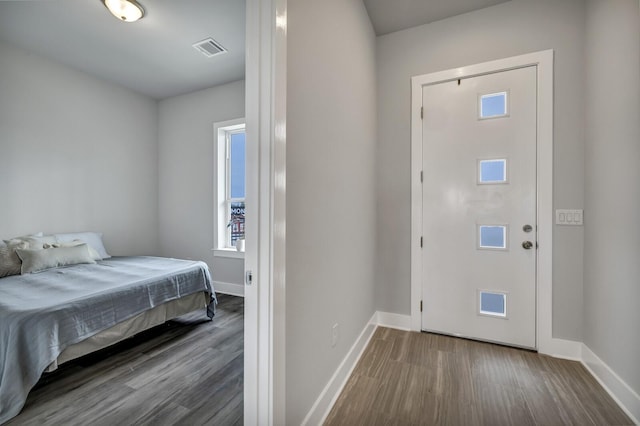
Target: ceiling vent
(209, 47)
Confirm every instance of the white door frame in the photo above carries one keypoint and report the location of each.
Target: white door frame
(545, 342)
(264, 308)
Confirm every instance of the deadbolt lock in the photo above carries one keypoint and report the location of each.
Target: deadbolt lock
(527, 228)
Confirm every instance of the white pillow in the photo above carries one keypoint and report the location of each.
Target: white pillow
(93, 239)
(34, 242)
(9, 261)
(15, 240)
(39, 260)
(94, 254)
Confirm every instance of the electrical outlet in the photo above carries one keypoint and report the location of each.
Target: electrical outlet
(334, 335)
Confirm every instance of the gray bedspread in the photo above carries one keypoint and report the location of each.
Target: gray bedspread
(43, 313)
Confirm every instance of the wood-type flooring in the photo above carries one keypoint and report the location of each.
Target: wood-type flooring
(409, 378)
(188, 371)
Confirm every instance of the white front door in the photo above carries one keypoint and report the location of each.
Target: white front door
(479, 207)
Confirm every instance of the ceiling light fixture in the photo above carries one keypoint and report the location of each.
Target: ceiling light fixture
(125, 10)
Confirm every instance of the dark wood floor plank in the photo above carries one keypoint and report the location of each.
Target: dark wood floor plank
(503, 405)
(392, 396)
(357, 410)
(408, 378)
(373, 361)
(223, 404)
(187, 371)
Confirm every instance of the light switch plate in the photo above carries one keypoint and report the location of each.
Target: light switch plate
(569, 217)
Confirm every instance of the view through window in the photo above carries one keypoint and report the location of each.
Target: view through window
(236, 186)
(230, 158)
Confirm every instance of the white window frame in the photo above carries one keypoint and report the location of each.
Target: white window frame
(222, 132)
(507, 95)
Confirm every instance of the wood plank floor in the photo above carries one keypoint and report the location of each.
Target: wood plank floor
(408, 378)
(188, 371)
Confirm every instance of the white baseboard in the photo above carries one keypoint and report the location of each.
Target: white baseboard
(321, 408)
(228, 288)
(620, 391)
(391, 320)
(561, 348)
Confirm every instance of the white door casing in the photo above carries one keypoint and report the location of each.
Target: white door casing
(264, 319)
(479, 193)
(543, 61)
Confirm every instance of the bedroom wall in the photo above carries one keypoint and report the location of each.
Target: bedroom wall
(76, 153)
(331, 235)
(508, 29)
(185, 143)
(612, 235)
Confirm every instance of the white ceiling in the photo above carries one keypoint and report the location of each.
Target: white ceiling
(153, 56)
(388, 16)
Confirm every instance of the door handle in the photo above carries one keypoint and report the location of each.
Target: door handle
(527, 245)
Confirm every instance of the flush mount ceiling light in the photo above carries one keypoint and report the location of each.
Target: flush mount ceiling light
(125, 10)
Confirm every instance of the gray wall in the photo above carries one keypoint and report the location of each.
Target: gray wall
(331, 234)
(612, 234)
(508, 29)
(79, 153)
(76, 153)
(186, 200)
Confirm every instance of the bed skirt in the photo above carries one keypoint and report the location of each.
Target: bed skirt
(144, 321)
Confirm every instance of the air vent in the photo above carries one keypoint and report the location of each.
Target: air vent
(209, 47)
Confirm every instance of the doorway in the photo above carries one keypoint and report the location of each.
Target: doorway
(478, 203)
(482, 155)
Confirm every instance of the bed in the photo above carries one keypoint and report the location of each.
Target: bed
(59, 314)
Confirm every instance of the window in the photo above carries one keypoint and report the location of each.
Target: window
(493, 105)
(492, 237)
(493, 303)
(229, 152)
(492, 171)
